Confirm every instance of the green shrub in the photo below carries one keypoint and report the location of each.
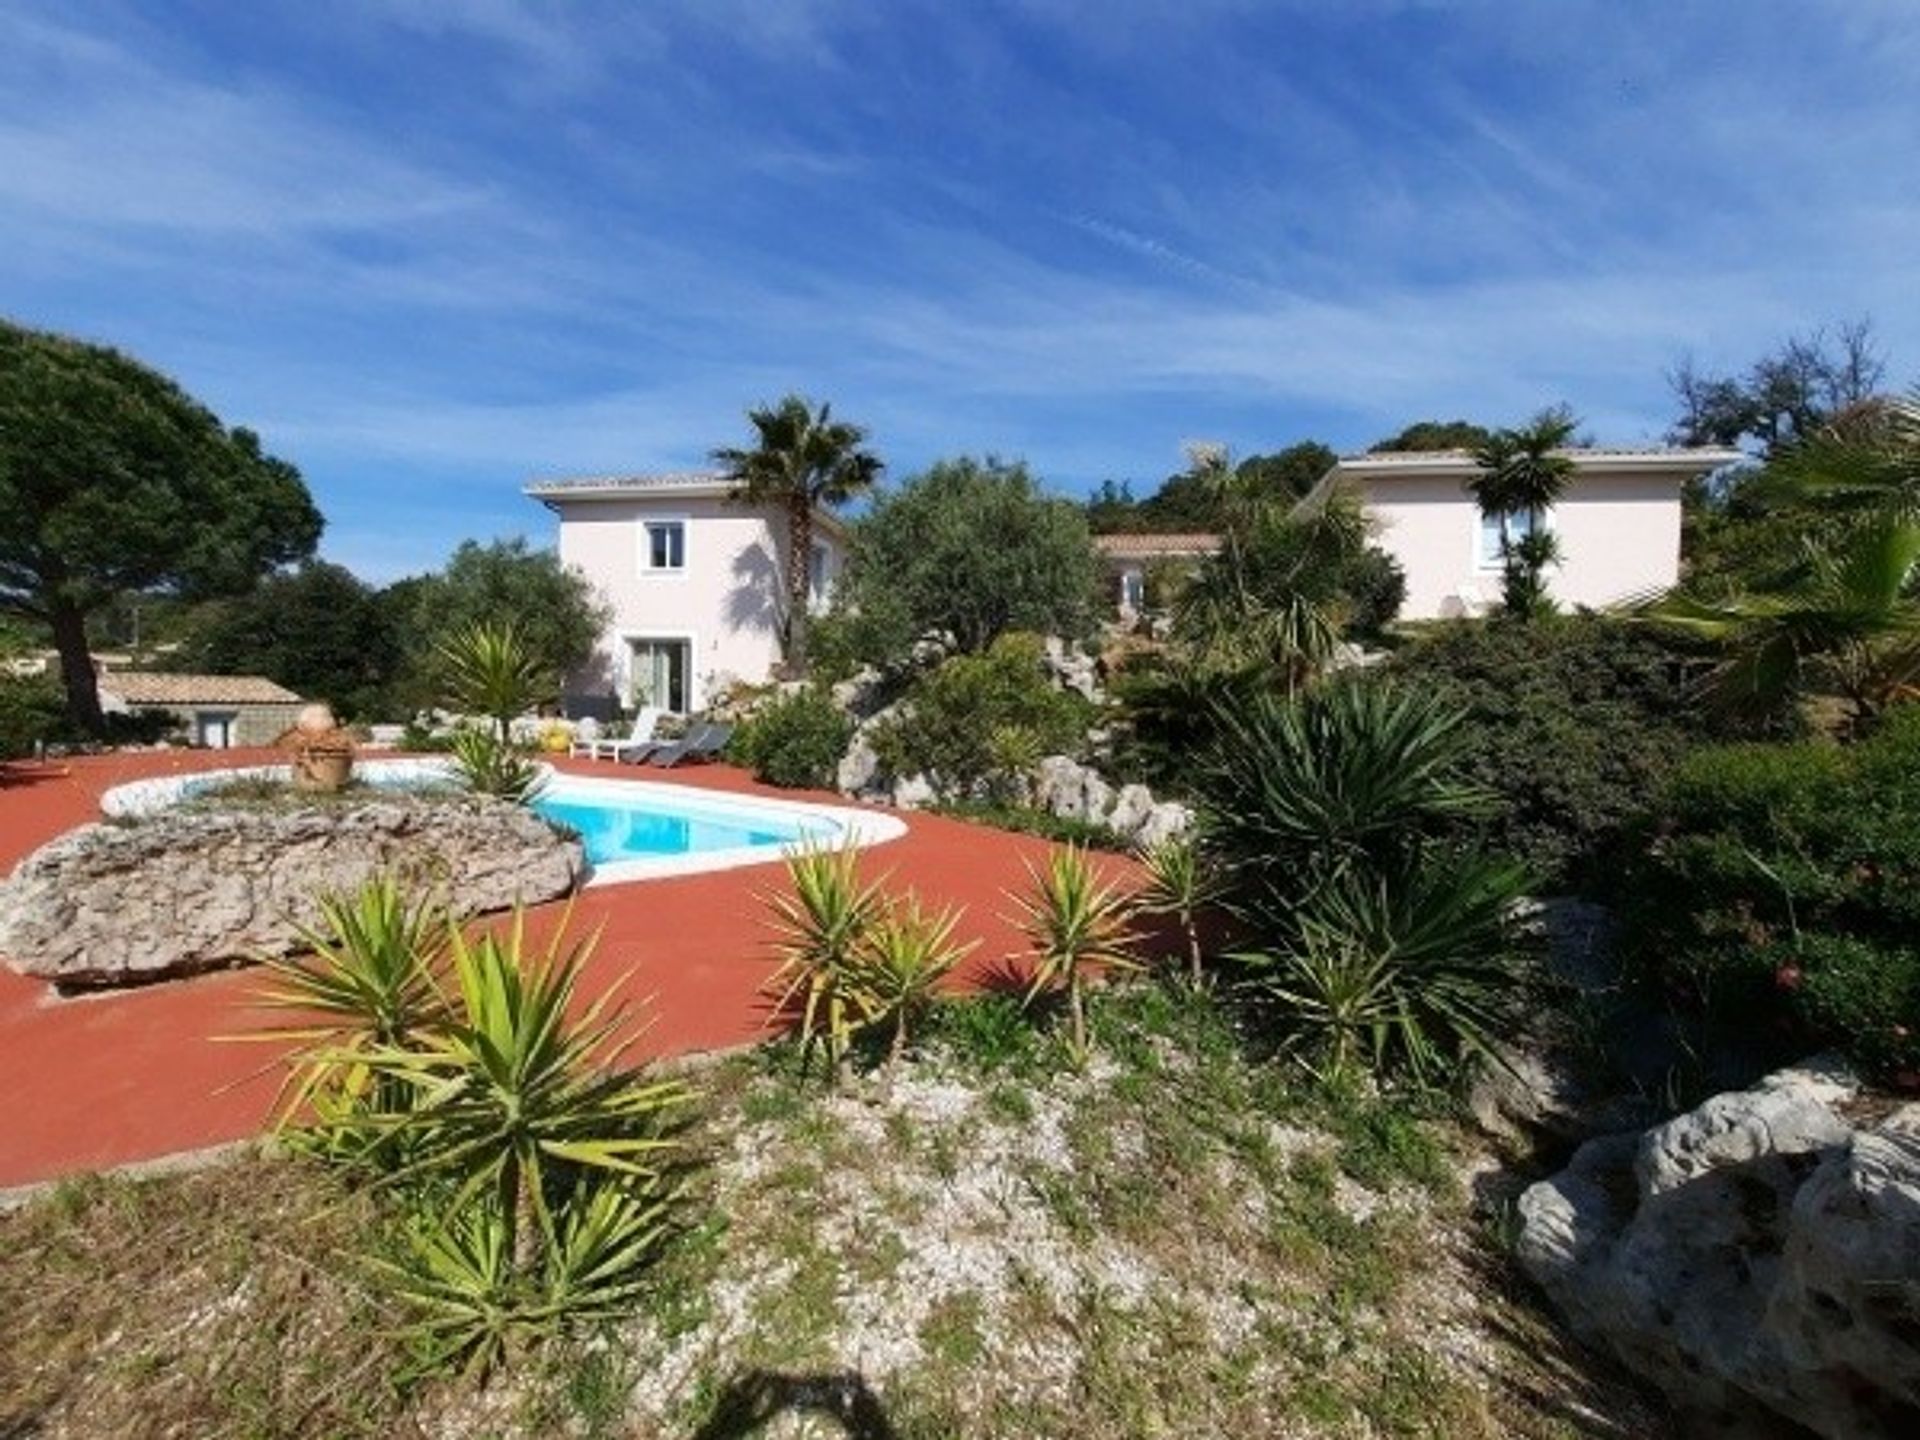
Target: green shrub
(1574, 722)
(1776, 899)
(1168, 710)
(795, 740)
(1869, 993)
(977, 723)
(31, 710)
(1030, 820)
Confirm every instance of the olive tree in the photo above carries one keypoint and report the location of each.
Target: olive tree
(972, 549)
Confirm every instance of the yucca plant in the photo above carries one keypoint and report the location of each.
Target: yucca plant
(907, 953)
(823, 925)
(513, 1082)
(1411, 970)
(1179, 884)
(520, 1110)
(1076, 924)
(490, 671)
(1295, 790)
(458, 1273)
(366, 985)
(489, 765)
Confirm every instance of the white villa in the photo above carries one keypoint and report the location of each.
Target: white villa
(1127, 559)
(1618, 524)
(695, 581)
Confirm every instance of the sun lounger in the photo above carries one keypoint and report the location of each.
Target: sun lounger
(701, 742)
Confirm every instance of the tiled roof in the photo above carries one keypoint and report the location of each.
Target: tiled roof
(153, 687)
(1147, 546)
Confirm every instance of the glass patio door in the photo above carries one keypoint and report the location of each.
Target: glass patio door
(659, 674)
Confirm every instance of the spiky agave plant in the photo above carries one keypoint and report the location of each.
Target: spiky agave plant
(1076, 925)
(907, 953)
(1180, 884)
(822, 925)
(367, 984)
(1358, 772)
(522, 1113)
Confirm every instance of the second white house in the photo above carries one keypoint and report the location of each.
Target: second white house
(1618, 524)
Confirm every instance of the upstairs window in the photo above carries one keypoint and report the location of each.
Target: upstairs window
(665, 545)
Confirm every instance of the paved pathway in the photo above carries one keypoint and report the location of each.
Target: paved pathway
(135, 1075)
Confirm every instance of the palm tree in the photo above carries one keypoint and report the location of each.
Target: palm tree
(1846, 620)
(804, 459)
(1866, 460)
(1523, 472)
(1266, 599)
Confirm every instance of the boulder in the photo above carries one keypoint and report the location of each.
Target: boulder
(1069, 668)
(859, 694)
(1167, 820)
(198, 889)
(860, 773)
(1537, 1093)
(1132, 808)
(913, 792)
(1757, 1257)
(1063, 786)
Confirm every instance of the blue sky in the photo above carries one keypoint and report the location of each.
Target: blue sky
(432, 247)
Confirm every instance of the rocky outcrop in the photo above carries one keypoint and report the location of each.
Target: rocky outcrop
(1063, 786)
(1757, 1257)
(194, 889)
(1070, 668)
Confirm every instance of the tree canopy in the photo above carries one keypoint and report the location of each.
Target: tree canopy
(557, 615)
(318, 630)
(1184, 502)
(114, 480)
(1783, 397)
(1435, 435)
(975, 549)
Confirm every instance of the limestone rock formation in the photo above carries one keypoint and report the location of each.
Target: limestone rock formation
(1757, 1257)
(198, 889)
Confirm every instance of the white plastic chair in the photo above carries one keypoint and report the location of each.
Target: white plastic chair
(640, 738)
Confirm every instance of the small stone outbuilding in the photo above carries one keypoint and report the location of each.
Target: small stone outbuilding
(218, 712)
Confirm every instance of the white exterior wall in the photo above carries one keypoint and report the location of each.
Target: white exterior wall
(1619, 538)
(725, 602)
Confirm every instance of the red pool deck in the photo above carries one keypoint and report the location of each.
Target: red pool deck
(134, 1075)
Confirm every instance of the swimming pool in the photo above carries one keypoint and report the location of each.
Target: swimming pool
(641, 829)
(632, 829)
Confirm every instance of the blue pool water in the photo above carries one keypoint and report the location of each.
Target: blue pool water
(631, 830)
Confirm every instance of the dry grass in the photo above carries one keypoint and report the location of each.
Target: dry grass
(211, 1303)
(1170, 1241)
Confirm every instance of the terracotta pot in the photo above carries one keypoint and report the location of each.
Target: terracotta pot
(322, 769)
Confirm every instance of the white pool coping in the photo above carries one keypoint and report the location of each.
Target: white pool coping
(846, 824)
